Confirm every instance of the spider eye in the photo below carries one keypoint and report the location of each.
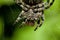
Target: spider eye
(32, 2)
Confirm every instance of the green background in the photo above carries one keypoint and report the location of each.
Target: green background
(50, 30)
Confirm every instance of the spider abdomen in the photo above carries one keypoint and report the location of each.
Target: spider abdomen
(32, 2)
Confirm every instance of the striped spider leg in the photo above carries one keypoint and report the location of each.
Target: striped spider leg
(42, 16)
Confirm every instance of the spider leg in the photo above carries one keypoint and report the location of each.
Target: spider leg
(22, 5)
(22, 24)
(24, 8)
(19, 18)
(39, 23)
(42, 20)
(48, 4)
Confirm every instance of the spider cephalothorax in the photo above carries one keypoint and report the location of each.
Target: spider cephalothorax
(32, 11)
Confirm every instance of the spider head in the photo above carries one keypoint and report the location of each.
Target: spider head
(32, 2)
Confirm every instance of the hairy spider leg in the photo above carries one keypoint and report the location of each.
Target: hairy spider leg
(37, 25)
(49, 4)
(39, 22)
(18, 18)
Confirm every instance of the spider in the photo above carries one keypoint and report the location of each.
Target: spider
(32, 11)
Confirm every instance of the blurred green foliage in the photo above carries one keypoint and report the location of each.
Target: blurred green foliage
(50, 30)
(6, 2)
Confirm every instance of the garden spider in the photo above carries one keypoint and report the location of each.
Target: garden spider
(32, 11)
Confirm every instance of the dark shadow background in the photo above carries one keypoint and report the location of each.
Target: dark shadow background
(9, 13)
